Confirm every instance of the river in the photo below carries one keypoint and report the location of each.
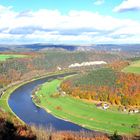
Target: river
(21, 104)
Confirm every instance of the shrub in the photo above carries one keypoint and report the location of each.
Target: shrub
(58, 108)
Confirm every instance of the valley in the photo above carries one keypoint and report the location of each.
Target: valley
(76, 102)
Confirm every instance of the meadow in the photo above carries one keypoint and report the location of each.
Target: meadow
(134, 67)
(4, 57)
(83, 113)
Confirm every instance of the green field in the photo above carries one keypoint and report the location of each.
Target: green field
(82, 113)
(4, 57)
(133, 68)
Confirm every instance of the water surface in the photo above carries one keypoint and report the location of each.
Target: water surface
(21, 103)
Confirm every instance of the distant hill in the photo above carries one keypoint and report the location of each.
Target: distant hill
(42, 47)
(118, 47)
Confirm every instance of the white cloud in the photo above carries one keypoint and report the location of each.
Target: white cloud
(4, 9)
(76, 27)
(128, 5)
(98, 2)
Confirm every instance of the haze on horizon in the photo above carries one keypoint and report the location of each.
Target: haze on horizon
(71, 22)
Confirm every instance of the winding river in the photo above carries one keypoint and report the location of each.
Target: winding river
(21, 103)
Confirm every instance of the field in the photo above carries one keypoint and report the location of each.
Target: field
(4, 57)
(83, 113)
(133, 68)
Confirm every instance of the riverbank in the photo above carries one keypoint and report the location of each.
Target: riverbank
(4, 98)
(82, 113)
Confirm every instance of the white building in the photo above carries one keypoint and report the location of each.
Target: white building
(59, 68)
(105, 106)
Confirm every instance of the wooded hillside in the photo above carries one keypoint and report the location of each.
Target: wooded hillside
(106, 84)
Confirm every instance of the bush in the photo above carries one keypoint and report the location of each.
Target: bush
(58, 108)
(55, 95)
(10, 132)
(115, 136)
(136, 126)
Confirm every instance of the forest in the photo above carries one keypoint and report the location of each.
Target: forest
(106, 84)
(35, 64)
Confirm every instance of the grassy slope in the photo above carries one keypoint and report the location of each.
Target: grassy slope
(133, 68)
(4, 101)
(85, 114)
(4, 57)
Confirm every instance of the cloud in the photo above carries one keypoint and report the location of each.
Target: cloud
(77, 27)
(99, 2)
(128, 5)
(4, 9)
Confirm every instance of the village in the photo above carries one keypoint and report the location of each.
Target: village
(129, 110)
(106, 106)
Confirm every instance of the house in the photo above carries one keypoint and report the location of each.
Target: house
(105, 106)
(131, 111)
(102, 106)
(63, 93)
(99, 105)
(59, 68)
(125, 109)
(136, 110)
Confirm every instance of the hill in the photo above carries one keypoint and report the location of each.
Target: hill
(105, 84)
(135, 48)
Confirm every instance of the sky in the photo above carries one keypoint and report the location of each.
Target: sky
(70, 21)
